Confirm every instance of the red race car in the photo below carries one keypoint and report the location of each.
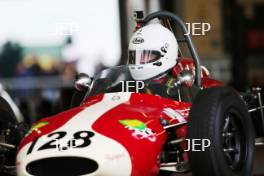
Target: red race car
(195, 124)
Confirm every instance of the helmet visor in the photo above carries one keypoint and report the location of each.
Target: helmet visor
(143, 56)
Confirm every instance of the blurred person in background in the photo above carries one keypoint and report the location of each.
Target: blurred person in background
(70, 58)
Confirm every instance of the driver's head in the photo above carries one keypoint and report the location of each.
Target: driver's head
(153, 50)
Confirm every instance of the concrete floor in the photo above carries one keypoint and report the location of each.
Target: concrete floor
(258, 164)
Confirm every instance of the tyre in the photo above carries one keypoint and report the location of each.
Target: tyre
(220, 115)
(10, 133)
(8, 121)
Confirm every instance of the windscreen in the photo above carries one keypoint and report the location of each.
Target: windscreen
(110, 80)
(113, 80)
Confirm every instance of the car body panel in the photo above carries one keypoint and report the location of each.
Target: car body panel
(126, 132)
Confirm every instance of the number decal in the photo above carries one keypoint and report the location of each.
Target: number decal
(53, 143)
(85, 136)
(30, 149)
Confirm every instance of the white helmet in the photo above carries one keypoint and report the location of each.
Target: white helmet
(153, 50)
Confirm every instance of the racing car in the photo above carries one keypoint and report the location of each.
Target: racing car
(207, 129)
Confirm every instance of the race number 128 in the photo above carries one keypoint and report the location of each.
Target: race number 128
(55, 138)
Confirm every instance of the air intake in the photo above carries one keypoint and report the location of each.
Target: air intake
(66, 166)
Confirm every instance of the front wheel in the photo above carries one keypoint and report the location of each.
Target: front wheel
(11, 133)
(219, 115)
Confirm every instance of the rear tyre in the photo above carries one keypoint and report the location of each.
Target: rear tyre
(220, 115)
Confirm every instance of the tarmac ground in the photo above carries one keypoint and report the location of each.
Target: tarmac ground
(258, 164)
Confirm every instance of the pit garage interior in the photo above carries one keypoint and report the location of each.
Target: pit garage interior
(38, 67)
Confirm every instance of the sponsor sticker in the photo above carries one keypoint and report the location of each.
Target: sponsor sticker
(138, 40)
(139, 128)
(37, 126)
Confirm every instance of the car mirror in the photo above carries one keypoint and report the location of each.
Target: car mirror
(185, 78)
(82, 82)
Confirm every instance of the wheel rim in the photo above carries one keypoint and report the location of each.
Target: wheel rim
(234, 145)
